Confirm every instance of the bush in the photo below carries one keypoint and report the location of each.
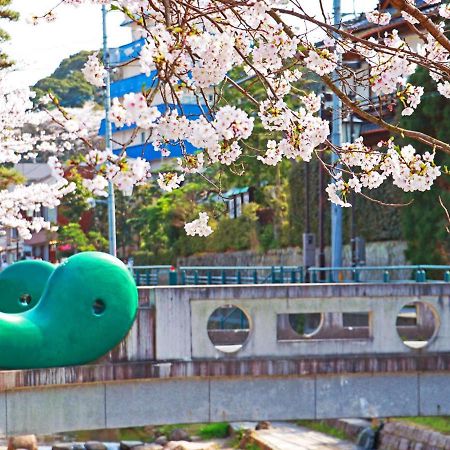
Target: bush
(214, 430)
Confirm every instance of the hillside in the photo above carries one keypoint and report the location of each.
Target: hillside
(68, 83)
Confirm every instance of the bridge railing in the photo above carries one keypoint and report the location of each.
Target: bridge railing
(386, 274)
(194, 275)
(151, 275)
(221, 275)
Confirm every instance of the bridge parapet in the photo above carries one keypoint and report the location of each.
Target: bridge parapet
(292, 321)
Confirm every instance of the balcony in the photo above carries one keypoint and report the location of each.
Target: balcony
(133, 84)
(125, 53)
(191, 111)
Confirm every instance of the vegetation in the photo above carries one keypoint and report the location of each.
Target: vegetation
(438, 423)
(10, 15)
(214, 430)
(10, 176)
(322, 427)
(68, 83)
(80, 241)
(424, 222)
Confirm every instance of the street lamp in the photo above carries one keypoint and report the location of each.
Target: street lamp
(108, 140)
(351, 128)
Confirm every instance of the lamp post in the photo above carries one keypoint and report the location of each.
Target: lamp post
(336, 210)
(108, 142)
(351, 128)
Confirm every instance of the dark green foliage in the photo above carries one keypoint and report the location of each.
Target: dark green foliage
(68, 83)
(10, 15)
(373, 222)
(80, 241)
(215, 430)
(424, 222)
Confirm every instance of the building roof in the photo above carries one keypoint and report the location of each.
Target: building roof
(361, 23)
(36, 172)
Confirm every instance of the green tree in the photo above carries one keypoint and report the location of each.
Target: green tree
(10, 176)
(68, 83)
(424, 222)
(10, 15)
(73, 234)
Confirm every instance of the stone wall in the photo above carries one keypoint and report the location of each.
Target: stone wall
(401, 436)
(377, 254)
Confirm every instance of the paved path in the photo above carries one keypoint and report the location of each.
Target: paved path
(286, 436)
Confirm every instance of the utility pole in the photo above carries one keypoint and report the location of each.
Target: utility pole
(336, 211)
(108, 142)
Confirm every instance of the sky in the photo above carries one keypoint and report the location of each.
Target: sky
(38, 50)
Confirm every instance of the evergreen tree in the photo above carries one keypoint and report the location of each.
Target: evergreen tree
(424, 222)
(10, 15)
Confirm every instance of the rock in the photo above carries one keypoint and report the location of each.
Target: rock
(263, 425)
(27, 441)
(63, 446)
(185, 445)
(148, 447)
(237, 427)
(179, 435)
(68, 446)
(161, 440)
(128, 445)
(95, 445)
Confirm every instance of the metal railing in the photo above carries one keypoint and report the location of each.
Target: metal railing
(151, 275)
(386, 274)
(240, 274)
(216, 275)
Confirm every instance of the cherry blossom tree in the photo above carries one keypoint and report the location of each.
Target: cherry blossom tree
(193, 45)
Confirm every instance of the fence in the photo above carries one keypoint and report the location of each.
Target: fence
(217, 275)
(386, 274)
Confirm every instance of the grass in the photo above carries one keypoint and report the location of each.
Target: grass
(214, 430)
(322, 427)
(438, 423)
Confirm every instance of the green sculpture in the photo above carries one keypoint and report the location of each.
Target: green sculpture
(86, 307)
(22, 284)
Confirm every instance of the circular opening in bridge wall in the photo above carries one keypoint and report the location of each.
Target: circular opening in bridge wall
(306, 324)
(98, 307)
(417, 323)
(228, 328)
(25, 299)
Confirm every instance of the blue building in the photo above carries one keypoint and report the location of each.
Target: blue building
(128, 76)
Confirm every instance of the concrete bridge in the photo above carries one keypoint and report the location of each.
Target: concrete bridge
(252, 352)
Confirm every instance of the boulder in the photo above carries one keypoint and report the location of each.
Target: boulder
(161, 440)
(95, 445)
(68, 446)
(153, 446)
(128, 445)
(179, 435)
(185, 445)
(263, 425)
(27, 441)
(63, 446)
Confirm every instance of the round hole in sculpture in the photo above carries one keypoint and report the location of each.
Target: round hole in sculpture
(98, 307)
(416, 324)
(306, 324)
(25, 299)
(228, 328)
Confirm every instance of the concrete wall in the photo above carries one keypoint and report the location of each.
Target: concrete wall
(377, 254)
(182, 315)
(152, 402)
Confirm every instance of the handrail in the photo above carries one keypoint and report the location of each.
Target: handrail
(166, 274)
(372, 268)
